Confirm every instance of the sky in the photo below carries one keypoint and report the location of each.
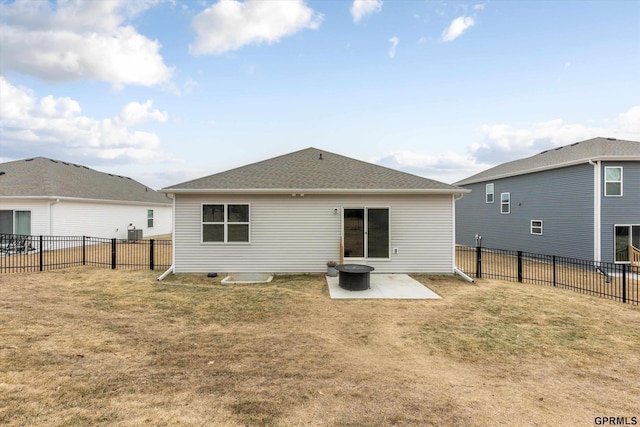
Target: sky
(164, 91)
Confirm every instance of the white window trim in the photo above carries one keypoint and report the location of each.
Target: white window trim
(150, 218)
(486, 193)
(508, 203)
(225, 223)
(537, 226)
(613, 182)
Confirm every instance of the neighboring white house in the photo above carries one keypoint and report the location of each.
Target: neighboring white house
(41, 196)
(295, 212)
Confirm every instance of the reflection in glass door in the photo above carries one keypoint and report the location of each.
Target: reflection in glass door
(377, 233)
(366, 232)
(626, 236)
(353, 233)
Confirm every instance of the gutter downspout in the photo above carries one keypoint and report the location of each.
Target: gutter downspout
(597, 210)
(49, 209)
(456, 197)
(166, 273)
(172, 196)
(462, 274)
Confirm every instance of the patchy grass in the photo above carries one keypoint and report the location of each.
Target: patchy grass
(89, 346)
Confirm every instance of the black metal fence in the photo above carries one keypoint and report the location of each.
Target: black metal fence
(620, 282)
(20, 253)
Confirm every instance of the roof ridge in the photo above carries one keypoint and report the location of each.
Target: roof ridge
(311, 169)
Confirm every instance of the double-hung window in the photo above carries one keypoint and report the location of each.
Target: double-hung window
(536, 227)
(149, 218)
(225, 223)
(505, 203)
(489, 191)
(613, 181)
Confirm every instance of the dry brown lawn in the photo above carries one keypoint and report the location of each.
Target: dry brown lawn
(89, 346)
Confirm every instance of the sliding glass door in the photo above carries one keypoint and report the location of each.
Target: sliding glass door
(366, 232)
(625, 236)
(21, 220)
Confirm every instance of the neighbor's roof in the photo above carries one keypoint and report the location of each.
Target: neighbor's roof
(568, 155)
(40, 177)
(313, 171)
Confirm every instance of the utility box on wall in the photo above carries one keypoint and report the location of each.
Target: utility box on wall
(135, 234)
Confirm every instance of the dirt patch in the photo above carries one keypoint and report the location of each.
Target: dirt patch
(89, 346)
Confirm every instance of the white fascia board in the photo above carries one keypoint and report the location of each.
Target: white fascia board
(303, 191)
(82, 200)
(550, 167)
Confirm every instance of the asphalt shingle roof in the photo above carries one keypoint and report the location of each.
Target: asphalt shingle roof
(312, 169)
(576, 153)
(43, 177)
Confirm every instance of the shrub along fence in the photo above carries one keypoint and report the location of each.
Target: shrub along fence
(620, 282)
(38, 253)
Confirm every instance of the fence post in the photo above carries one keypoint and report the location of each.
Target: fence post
(84, 250)
(624, 283)
(554, 270)
(479, 261)
(151, 254)
(40, 243)
(520, 266)
(113, 254)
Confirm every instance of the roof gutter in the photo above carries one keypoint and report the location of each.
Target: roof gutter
(80, 199)
(548, 167)
(303, 191)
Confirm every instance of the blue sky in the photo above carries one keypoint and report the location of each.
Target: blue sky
(166, 91)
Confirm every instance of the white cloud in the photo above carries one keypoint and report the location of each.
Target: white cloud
(630, 122)
(457, 27)
(230, 24)
(80, 40)
(394, 43)
(445, 167)
(502, 143)
(55, 127)
(360, 8)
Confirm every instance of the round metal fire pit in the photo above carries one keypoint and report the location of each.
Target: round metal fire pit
(354, 277)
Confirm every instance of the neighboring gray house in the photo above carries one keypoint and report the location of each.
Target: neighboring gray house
(580, 200)
(291, 213)
(41, 196)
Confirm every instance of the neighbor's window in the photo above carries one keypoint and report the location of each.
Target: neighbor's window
(149, 218)
(489, 193)
(536, 227)
(625, 236)
(15, 222)
(613, 181)
(225, 223)
(505, 203)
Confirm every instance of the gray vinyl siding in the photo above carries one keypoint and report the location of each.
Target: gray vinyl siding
(619, 210)
(300, 234)
(561, 198)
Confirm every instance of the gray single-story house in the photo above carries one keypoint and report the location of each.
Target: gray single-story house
(41, 196)
(295, 212)
(580, 201)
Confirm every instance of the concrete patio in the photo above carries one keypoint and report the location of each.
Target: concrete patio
(384, 286)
